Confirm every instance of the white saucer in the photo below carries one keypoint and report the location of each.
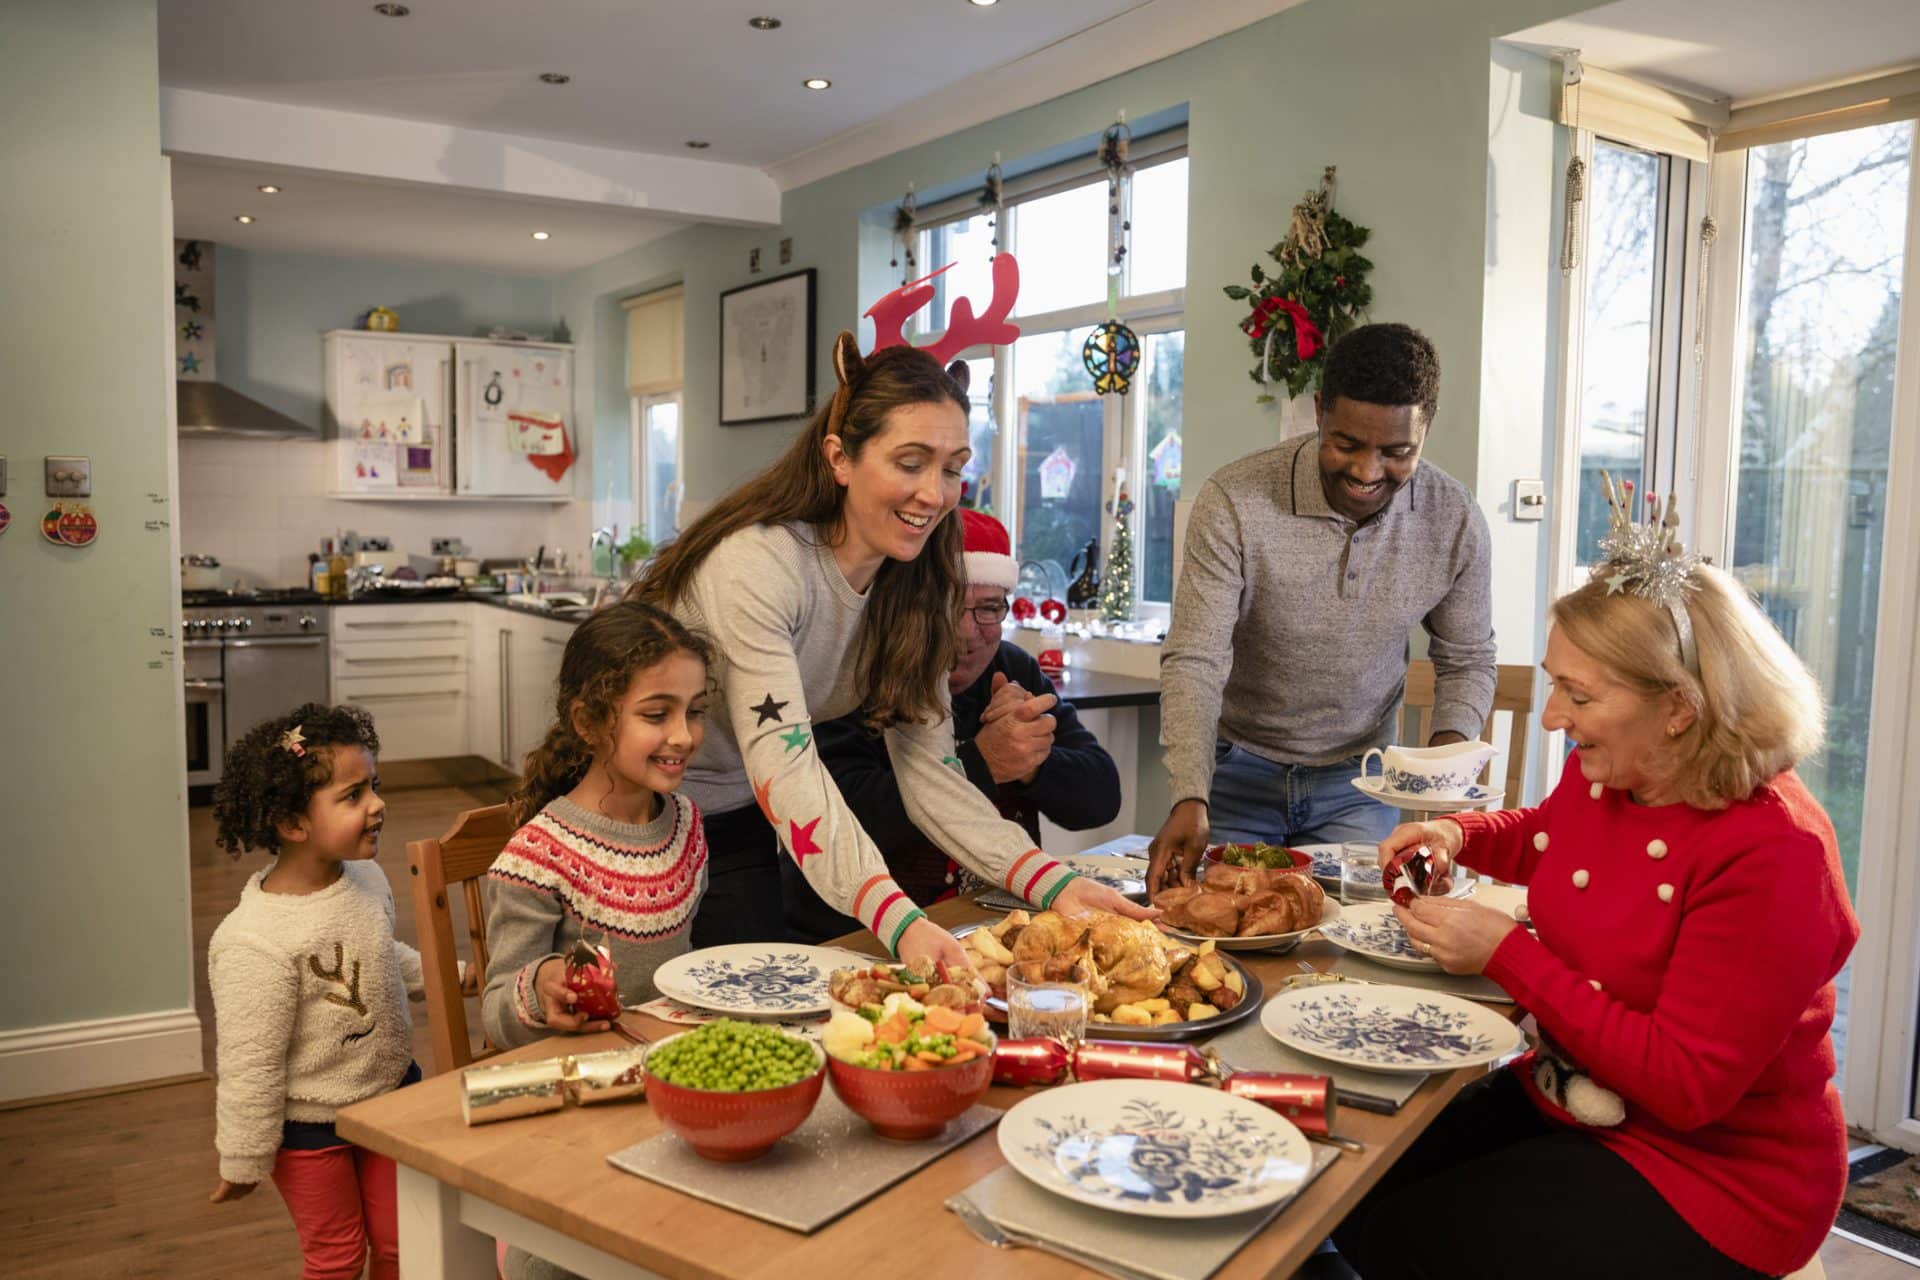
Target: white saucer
(1477, 797)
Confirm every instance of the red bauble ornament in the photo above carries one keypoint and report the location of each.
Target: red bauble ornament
(1023, 608)
(591, 979)
(1053, 611)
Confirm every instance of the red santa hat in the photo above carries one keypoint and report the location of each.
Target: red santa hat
(989, 552)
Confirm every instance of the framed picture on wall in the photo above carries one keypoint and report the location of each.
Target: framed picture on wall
(766, 350)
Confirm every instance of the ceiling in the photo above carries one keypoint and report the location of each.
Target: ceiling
(1739, 50)
(361, 218)
(648, 75)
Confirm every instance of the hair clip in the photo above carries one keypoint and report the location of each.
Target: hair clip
(295, 740)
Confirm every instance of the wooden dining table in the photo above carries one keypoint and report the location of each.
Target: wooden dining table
(544, 1183)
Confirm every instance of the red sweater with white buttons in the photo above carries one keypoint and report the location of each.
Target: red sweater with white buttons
(1685, 960)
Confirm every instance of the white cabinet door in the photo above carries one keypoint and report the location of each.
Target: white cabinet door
(366, 373)
(534, 674)
(495, 381)
(487, 658)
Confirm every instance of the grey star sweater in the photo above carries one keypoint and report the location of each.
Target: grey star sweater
(310, 1010)
(785, 625)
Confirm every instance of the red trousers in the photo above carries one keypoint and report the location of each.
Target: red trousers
(342, 1200)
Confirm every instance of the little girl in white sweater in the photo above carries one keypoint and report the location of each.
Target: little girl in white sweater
(310, 987)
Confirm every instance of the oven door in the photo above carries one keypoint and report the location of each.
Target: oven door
(206, 699)
(271, 676)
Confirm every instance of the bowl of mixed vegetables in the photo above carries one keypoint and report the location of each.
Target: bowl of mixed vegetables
(1269, 857)
(730, 1090)
(915, 1058)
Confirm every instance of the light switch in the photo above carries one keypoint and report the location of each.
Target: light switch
(69, 478)
(1529, 500)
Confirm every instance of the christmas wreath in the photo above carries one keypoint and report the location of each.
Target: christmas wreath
(1317, 294)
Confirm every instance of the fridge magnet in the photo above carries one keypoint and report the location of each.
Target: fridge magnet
(543, 434)
(6, 517)
(1056, 474)
(494, 394)
(77, 527)
(50, 525)
(767, 350)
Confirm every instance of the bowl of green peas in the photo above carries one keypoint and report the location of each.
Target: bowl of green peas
(730, 1090)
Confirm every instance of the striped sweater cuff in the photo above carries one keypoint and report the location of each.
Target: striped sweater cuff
(526, 1001)
(884, 907)
(1037, 878)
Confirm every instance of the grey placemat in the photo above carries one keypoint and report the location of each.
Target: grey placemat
(827, 1166)
(1470, 986)
(1168, 1249)
(1250, 1047)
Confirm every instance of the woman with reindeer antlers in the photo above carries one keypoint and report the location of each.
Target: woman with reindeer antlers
(829, 583)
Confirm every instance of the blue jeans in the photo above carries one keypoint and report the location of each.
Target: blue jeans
(1254, 800)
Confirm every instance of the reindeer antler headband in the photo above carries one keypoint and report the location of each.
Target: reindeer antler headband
(1648, 560)
(964, 329)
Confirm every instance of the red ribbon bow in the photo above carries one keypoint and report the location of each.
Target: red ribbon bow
(1306, 334)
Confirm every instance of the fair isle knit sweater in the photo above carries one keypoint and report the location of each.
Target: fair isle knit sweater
(1685, 960)
(786, 625)
(310, 1010)
(572, 872)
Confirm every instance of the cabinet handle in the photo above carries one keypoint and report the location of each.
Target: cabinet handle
(388, 626)
(506, 701)
(381, 662)
(390, 697)
(555, 640)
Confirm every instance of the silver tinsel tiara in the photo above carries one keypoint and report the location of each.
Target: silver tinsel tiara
(1648, 560)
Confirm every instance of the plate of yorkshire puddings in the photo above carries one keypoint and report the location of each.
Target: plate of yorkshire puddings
(1247, 908)
(1143, 984)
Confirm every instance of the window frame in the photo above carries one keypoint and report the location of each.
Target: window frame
(1123, 430)
(639, 453)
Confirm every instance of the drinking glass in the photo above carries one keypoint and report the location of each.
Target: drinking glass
(1360, 879)
(1038, 1005)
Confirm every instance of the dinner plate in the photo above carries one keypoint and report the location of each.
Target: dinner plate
(1125, 876)
(1275, 942)
(1388, 1028)
(1372, 930)
(1173, 1031)
(1475, 798)
(1155, 1148)
(752, 979)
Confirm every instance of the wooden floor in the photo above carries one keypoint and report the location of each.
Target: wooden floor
(117, 1186)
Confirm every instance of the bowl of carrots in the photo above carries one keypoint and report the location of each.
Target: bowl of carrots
(908, 1068)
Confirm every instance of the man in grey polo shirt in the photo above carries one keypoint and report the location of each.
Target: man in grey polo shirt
(1307, 567)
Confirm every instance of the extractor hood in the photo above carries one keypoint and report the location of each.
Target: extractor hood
(208, 408)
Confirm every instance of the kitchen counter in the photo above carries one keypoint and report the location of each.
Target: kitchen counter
(492, 599)
(1091, 690)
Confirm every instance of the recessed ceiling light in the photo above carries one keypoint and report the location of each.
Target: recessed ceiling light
(697, 144)
(392, 10)
(982, 4)
(817, 82)
(764, 24)
(554, 77)
(268, 189)
(540, 235)
(243, 217)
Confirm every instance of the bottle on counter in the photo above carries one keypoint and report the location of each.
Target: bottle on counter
(337, 576)
(317, 573)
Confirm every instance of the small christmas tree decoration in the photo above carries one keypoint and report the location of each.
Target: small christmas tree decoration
(1116, 589)
(591, 979)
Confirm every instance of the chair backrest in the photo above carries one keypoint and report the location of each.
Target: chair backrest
(460, 858)
(1512, 693)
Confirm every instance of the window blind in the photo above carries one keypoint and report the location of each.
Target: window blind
(1640, 114)
(1834, 110)
(656, 341)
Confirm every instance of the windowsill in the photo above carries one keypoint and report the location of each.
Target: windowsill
(1086, 648)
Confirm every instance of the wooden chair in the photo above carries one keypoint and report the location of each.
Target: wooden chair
(461, 857)
(1512, 693)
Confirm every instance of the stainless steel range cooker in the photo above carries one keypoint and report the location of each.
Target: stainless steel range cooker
(248, 657)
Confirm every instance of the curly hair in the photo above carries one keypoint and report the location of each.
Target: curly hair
(264, 783)
(603, 655)
(1391, 364)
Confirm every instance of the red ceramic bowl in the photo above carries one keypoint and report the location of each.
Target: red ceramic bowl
(910, 1105)
(1301, 861)
(733, 1126)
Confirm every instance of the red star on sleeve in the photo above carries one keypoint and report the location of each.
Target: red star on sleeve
(802, 840)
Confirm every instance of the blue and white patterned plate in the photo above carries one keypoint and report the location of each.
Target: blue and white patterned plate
(1386, 1028)
(1155, 1148)
(1372, 930)
(752, 979)
(1125, 876)
(1473, 798)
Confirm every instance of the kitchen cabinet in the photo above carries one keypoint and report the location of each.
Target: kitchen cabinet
(406, 665)
(516, 666)
(495, 381)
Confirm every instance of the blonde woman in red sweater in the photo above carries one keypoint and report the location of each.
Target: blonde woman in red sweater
(1678, 1116)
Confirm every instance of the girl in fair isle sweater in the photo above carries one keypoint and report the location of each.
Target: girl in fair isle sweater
(309, 985)
(607, 853)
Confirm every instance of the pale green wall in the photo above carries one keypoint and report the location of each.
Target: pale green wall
(94, 919)
(271, 308)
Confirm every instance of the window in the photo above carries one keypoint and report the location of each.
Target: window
(1039, 389)
(656, 465)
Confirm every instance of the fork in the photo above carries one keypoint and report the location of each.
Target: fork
(621, 1029)
(987, 1231)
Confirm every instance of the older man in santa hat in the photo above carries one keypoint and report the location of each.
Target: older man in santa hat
(1017, 741)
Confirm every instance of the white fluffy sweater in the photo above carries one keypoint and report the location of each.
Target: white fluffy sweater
(310, 1005)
